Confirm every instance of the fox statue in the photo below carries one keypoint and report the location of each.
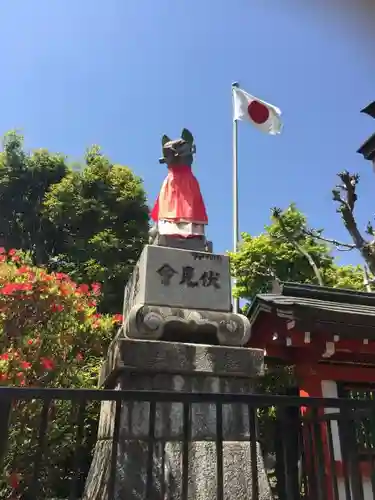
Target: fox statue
(179, 212)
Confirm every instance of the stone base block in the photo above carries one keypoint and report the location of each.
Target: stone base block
(131, 360)
(181, 368)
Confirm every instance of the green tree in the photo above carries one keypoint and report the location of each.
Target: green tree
(101, 218)
(24, 181)
(288, 251)
(90, 221)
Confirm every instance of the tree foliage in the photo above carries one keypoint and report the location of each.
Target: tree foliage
(102, 217)
(24, 181)
(89, 222)
(281, 251)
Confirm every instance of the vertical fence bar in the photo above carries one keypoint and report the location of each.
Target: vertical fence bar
(35, 483)
(219, 452)
(115, 440)
(304, 473)
(372, 461)
(253, 451)
(372, 452)
(5, 412)
(343, 432)
(287, 433)
(353, 457)
(293, 428)
(280, 466)
(312, 475)
(290, 429)
(185, 449)
(150, 451)
(163, 488)
(319, 454)
(371, 449)
(80, 422)
(332, 462)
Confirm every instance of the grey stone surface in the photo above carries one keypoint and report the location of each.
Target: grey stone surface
(158, 358)
(157, 323)
(197, 244)
(178, 368)
(168, 473)
(179, 278)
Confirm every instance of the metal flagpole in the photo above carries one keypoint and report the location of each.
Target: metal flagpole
(235, 189)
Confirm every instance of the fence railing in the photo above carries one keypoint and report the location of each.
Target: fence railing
(311, 449)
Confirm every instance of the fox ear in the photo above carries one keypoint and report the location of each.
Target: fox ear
(187, 136)
(164, 140)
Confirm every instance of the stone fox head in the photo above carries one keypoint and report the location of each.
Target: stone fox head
(178, 151)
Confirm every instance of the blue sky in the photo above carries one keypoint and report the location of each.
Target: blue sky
(121, 73)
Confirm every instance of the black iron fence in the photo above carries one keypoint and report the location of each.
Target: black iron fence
(310, 448)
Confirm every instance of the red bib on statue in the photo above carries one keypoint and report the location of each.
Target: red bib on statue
(180, 198)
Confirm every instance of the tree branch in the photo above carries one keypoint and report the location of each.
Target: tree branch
(345, 194)
(277, 214)
(315, 235)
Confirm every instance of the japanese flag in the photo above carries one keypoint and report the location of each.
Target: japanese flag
(261, 114)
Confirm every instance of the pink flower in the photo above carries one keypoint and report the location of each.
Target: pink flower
(56, 307)
(118, 318)
(47, 363)
(25, 365)
(24, 287)
(14, 480)
(61, 276)
(84, 289)
(64, 290)
(96, 287)
(23, 270)
(8, 289)
(12, 251)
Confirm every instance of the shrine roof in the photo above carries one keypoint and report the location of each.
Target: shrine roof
(321, 304)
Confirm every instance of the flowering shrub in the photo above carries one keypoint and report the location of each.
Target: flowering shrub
(50, 336)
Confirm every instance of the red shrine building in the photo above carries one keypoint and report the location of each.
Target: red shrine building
(328, 335)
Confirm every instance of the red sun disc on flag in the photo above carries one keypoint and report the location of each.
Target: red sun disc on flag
(258, 112)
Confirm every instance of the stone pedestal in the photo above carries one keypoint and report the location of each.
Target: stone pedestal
(173, 277)
(183, 368)
(180, 295)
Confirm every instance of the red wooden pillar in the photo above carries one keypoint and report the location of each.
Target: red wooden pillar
(310, 385)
